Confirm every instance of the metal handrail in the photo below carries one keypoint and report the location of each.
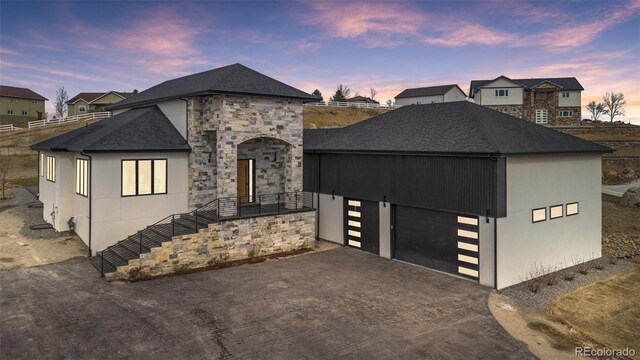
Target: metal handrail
(224, 209)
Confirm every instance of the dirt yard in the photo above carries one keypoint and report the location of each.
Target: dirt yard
(20, 246)
(607, 311)
(317, 117)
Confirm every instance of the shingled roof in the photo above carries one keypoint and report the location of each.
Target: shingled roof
(426, 91)
(20, 93)
(447, 128)
(232, 79)
(565, 83)
(91, 96)
(143, 129)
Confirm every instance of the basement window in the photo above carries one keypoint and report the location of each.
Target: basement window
(51, 168)
(566, 113)
(144, 177)
(538, 215)
(502, 92)
(555, 211)
(82, 178)
(572, 209)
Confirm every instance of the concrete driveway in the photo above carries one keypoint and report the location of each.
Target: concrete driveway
(340, 303)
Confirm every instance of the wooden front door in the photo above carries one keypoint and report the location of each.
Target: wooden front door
(246, 185)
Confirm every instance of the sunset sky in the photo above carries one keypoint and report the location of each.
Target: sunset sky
(390, 46)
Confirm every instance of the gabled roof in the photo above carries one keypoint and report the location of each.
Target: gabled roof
(427, 91)
(455, 128)
(232, 79)
(20, 93)
(142, 129)
(364, 99)
(565, 83)
(90, 97)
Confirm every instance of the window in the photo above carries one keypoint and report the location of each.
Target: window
(566, 113)
(565, 94)
(24, 113)
(41, 165)
(10, 112)
(34, 102)
(502, 92)
(82, 108)
(51, 168)
(144, 177)
(82, 178)
(13, 100)
(538, 215)
(555, 212)
(541, 95)
(572, 209)
(541, 116)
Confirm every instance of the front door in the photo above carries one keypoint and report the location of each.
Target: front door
(246, 184)
(362, 225)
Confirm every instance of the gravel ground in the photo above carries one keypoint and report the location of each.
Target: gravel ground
(541, 300)
(20, 199)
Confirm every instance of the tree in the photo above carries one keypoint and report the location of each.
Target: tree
(61, 102)
(342, 93)
(373, 92)
(317, 94)
(614, 104)
(389, 103)
(596, 109)
(4, 173)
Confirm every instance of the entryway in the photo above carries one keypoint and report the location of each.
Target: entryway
(246, 180)
(362, 225)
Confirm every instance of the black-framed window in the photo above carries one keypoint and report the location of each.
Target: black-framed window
(51, 168)
(502, 92)
(572, 209)
(556, 211)
(82, 177)
(538, 215)
(144, 177)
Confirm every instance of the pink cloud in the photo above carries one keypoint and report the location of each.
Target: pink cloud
(462, 34)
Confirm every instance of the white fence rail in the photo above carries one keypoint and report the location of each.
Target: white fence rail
(69, 119)
(9, 127)
(360, 105)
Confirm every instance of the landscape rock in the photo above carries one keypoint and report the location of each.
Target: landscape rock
(631, 197)
(621, 245)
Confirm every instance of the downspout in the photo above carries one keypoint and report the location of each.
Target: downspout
(90, 196)
(38, 177)
(318, 217)
(495, 253)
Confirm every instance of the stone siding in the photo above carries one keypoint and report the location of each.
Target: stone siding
(574, 119)
(551, 104)
(513, 110)
(224, 242)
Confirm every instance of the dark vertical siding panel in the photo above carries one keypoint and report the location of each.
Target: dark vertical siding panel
(310, 173)
(501, 187)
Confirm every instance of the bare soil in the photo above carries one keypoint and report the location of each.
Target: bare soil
(316, 117)
(617, 219)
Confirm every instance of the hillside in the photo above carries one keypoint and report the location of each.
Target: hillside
(317, 117)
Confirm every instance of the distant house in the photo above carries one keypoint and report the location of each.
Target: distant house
(553, 101)
(362, 99)
(86, 102)
(20, 105)
(430, 95)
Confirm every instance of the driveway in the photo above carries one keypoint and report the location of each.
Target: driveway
(340, 303)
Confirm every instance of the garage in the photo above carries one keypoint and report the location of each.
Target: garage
(362, 225)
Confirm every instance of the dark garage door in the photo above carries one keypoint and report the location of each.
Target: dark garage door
(438, 240)
(362, 225)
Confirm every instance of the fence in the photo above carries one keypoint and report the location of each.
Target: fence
(69, 119)
(9, 127)
(360, 105)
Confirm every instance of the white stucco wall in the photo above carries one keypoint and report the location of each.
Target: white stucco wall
(81, 204)
(486, 255)
(385, 229)
(57, 196)
(331, 220)
(47, 191)
(454, 94)
(573, 99)
(543, 181)
(176, 112)
(115, 217)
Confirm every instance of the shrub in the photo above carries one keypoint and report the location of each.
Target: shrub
(534, 285)
(599, 264)
(613, 260)
(569, 274)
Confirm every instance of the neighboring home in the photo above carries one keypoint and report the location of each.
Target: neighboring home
(217, 154)
(87, 102)
(362, 99)
(459, 188)
(553, 101)
(20, 105)
(430, 95)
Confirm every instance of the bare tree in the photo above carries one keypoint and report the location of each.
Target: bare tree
(342, 93)
(389, 103)
(373, 92)
(61, 102)
(614, 104)
(596, 109)
(5, 165)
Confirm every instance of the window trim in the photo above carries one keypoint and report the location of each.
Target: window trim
(505, 92)
(82, 108)
(51, 169)
(551, 217)
(569, 113)
(41, 164)
(577, 208)
(84, 189)
(565, 94)
(153, 165)
(537, 221)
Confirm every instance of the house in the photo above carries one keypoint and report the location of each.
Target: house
(20, 105)
(552, 101)
(430, 95)
(459, 188)
(200, 169)
(86, 102)
(362, 99)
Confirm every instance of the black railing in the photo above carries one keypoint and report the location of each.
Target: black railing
(198, 219)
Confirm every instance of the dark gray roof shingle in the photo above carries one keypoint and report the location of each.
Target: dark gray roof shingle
(447, 128)
(232, 79)
(566, 83)
(143, 129)
(21, 93)
(426, 91)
